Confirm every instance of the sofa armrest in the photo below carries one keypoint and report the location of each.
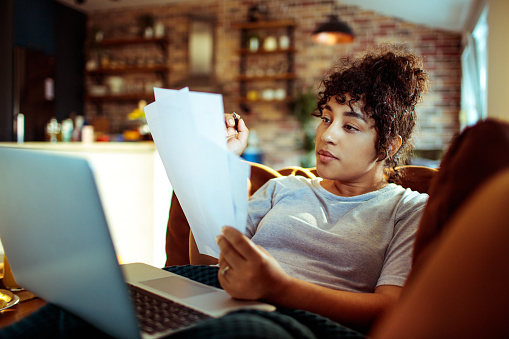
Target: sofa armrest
(195, 257)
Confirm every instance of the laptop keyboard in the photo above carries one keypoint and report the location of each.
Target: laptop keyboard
(157, 314)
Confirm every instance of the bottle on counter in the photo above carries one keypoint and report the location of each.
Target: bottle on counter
(52, 130)
(79, 121)
(19, 127)
(67, 130)
(87, 134)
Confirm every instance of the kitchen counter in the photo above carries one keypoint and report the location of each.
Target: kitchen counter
(134, 189)
(142, 146)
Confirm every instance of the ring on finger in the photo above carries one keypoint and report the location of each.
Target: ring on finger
(225, 270)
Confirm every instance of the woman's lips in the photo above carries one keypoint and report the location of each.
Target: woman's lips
(326, 156)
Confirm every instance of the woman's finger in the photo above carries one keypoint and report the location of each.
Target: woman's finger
(230, 120)
(242, 131)
(224, 267)
(240, 244)
(229, 253)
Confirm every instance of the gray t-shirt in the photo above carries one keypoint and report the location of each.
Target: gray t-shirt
(345, 243)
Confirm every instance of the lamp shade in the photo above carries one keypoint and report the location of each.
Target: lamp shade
(333, 32)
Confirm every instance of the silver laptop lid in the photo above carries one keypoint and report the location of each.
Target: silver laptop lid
(55, 235)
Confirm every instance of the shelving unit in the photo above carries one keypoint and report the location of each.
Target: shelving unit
(135, 40)
(103, 70)
(129, 69)
(277, 69)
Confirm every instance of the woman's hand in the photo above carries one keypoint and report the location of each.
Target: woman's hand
(247, 271)
(236, 133)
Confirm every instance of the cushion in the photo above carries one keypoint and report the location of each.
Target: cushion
(417, 178)
(477, 154)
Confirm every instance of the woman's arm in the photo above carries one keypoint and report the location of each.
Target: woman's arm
(254, 274)
(356, 310)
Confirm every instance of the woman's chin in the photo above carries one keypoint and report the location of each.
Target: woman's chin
(322, 170)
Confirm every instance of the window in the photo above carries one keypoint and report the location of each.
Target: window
(474, 64)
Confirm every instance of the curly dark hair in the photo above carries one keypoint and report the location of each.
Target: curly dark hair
(389, 81)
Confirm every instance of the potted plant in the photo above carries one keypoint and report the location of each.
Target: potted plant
(303, 105)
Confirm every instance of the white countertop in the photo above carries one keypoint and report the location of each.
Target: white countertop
(134, 189)
(142, 146)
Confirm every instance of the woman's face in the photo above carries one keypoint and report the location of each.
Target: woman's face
(345, 144)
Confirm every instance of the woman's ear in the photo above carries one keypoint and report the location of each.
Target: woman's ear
(393, 148)
(395, 145)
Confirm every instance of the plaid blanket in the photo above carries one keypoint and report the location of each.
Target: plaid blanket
(283, 323)
(53, 322)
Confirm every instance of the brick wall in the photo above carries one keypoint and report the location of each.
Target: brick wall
(278, 131)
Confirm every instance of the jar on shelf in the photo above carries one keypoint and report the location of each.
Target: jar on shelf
(253, 43)
(252, 95)
(91, 64)
(116, 85)
(270, 43)
(148, 33)
(98, 35)
(159, 29)
(105, 61)
(268, 94)
(280, 94)
(284, 42)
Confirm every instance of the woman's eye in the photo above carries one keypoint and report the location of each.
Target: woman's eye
(350, 128)
(325, 119)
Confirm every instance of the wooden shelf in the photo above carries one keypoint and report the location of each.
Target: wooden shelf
(264, 24)
(129, 69)
(121, 97)
(99, 75)
(243, 100)
(285, 76)
(131, 41)
(261, 51)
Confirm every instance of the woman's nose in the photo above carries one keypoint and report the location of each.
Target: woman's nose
(330, 135)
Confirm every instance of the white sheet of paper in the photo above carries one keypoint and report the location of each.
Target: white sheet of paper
(209, 181)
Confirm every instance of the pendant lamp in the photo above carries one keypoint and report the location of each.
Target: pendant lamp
(332, 32)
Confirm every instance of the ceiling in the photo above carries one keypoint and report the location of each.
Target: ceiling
(453, 15)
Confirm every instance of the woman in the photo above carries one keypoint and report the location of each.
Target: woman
(340, 245)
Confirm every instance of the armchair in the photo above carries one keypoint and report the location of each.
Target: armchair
(178, 234)
(459, 250)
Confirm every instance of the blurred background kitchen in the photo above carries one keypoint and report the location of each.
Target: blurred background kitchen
(100, 59)
(79, 72)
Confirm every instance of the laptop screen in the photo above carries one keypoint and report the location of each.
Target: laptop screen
(56, 237)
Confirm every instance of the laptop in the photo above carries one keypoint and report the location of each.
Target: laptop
(56, 237)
